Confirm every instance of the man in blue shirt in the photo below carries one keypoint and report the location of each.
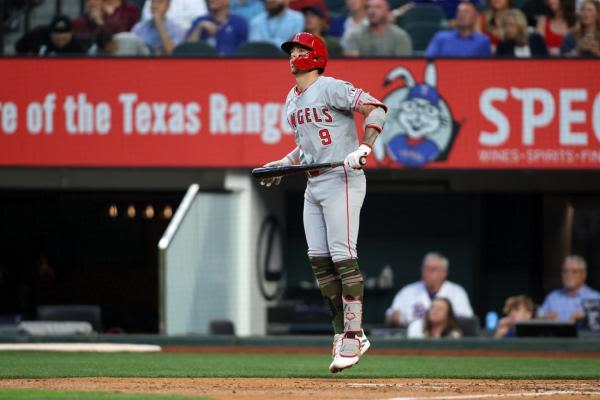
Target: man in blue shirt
(566, 304)
(462, 41)
(277, 24)
(219, 28)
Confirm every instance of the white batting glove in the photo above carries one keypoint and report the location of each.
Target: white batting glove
(276, 180)
(355, 159)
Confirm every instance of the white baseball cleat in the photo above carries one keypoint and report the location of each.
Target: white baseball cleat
(364, 345)
(347, 355)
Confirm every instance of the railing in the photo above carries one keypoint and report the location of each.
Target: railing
(166, 240)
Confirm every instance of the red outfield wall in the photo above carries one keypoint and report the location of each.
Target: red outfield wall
(215, 113)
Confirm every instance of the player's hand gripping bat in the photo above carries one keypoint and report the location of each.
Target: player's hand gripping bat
(271, 172)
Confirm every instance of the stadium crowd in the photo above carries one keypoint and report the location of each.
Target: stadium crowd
(432, 306)
(358, 28)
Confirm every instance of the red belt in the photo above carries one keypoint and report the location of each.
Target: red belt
(312, 174)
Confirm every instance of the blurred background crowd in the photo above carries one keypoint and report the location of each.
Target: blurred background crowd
(256, 28)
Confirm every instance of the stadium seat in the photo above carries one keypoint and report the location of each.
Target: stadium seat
(221, 327)
(76, 312)
(259, 49)
(431, 13)
(421, 34)
(194, 49)
(469, 325)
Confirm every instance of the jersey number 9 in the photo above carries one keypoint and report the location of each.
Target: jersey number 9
(325, 137)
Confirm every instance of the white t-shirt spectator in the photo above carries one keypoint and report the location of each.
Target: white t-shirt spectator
(413, 301)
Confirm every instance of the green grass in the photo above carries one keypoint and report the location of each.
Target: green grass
(28, 394)
(49, 364)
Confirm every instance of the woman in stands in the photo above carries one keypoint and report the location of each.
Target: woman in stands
(559, 19)
(517, 41)
(584, 40)
(490, 19)
(439, 322)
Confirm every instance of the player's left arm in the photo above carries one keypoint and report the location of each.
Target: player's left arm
(374, 119)
(374, 113)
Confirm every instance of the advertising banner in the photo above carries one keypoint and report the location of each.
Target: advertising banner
(448, 114)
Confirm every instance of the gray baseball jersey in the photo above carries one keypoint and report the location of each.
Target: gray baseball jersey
(322, 118)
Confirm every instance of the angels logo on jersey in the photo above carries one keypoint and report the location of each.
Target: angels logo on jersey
(419, 127)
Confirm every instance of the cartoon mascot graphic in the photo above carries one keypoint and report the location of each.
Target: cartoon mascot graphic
(419, 128)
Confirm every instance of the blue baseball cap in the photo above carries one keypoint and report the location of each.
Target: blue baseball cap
(425, 92)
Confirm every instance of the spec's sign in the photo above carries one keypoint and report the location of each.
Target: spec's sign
(486, 114)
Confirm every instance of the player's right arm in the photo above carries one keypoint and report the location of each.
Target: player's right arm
(292, 158)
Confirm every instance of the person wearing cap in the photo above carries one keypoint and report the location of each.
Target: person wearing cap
(316, 22)
(60, 40)
(381, 38)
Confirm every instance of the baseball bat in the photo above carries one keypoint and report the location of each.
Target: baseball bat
(271, 172)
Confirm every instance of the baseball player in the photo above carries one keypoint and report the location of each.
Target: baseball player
(320, 111)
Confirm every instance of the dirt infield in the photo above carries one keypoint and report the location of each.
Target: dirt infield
(330, 389)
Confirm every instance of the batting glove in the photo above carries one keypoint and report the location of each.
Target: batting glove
(357, 158)
(276, 180)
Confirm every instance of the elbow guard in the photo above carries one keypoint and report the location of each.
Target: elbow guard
(375, 119)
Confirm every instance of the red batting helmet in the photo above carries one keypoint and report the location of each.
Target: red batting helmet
(316, 58)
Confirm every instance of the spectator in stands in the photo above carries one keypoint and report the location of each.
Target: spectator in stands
(315, 22)
(277, 24)
(86, 26)
(344, 25)
(380, 38)
(462, 41)
(97, 16)
(489, 20)
(119, 15)
(60, 39)
(160, 34)
(566, 304)
(119, 45)
(517, 308)
(559, 19)
(584, 40)
(248, 9)
(413, 300)
(182, 12)
(220, 28)
(517, 41)
(439, 322)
